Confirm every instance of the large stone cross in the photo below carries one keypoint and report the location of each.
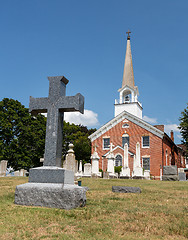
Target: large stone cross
(55, 105)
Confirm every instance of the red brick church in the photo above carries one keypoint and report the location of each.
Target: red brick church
(157, 149)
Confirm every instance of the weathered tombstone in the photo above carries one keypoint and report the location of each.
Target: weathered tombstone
(181, 174)
(137, 169)
(3, 168)
(170, 173)
(125, 171)
(51, 185)
(95, 163)
(70, 162)
(87, 170)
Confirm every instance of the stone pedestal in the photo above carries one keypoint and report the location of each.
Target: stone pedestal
(52, 195)
(125, 172)
(50, 187)
(110, 166)
(95, 165)
(147, 174)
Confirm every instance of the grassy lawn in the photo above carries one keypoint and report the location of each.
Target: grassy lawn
(159, 212)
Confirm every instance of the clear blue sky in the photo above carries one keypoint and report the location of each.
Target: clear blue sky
(86, 40)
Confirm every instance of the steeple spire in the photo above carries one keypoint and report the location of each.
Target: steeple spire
(128, 75)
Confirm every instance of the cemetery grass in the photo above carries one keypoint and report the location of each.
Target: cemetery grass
(159, 212)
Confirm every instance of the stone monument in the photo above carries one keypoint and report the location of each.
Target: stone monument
(51, 185)
(170, 173)
(70, 162)
(95, 163)
(125, 171)
(137, 169)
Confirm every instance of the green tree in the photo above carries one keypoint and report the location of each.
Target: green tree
(184, 126)
(78, 135)
(22, 136)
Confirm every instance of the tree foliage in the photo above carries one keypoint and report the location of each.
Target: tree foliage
(184, 126)
(22, 136)
(78, 135)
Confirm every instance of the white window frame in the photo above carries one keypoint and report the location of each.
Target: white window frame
(142, 142)
(121, 159)
(105, 148)
(143, 162)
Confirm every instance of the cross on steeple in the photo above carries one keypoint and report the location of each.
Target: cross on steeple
(55, 105)
(128, 37)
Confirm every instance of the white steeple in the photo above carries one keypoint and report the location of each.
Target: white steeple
(128, 93)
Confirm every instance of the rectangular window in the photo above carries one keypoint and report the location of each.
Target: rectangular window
(145, 141)
(125, 140)
(146, 163)
(106, 143)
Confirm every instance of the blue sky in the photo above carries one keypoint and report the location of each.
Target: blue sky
(86, 41)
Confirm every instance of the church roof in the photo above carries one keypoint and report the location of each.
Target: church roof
(130, 117)
(128, 75)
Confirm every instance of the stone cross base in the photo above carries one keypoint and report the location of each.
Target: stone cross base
(50, 195)
(51, 175)
(50, 187)
(125, 172)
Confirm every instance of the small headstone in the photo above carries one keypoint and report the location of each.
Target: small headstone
(124, 189)
(182, 176)
(3, 168)
(87, 170)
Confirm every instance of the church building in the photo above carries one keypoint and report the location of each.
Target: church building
(156, 148)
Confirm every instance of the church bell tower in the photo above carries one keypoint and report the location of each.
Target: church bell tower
(128, 93)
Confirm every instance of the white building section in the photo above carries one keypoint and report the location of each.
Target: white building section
(128, 93)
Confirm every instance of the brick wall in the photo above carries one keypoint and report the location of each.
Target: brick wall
(135, 133)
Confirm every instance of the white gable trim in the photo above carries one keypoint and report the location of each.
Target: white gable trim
(132, 154)
(129, 117)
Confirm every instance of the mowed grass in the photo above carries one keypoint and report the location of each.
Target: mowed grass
(159, 212)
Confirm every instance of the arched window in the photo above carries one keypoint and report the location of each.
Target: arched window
(125, 139)
(118, 160)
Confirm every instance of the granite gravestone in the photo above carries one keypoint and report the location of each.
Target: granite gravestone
(51, 185)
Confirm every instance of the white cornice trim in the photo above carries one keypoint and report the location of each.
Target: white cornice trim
(130, 117)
